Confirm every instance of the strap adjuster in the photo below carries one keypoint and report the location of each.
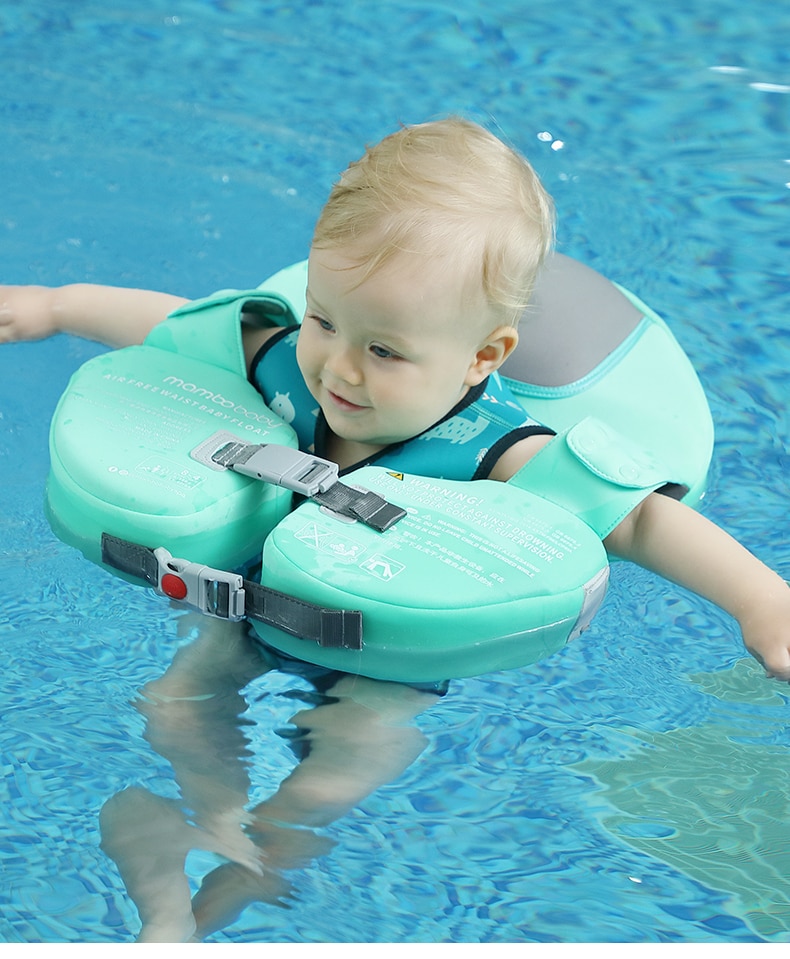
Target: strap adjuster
(299, 472)
(211, 591)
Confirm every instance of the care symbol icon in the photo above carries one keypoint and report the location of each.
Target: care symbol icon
(382, 566)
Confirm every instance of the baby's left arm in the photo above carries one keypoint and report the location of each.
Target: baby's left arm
(680, 544)
(112, 315)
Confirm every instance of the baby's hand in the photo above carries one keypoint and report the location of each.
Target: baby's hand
(766, 634)
(26, 313)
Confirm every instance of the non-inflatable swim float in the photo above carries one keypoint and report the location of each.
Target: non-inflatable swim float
(166, 466)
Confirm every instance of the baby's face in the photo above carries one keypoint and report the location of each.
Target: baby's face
(388, 357)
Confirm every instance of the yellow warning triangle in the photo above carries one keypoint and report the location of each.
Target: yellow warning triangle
(398, 476)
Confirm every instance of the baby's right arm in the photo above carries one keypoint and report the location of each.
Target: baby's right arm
(112, 315)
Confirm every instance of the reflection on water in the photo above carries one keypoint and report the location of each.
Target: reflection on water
(713, 800)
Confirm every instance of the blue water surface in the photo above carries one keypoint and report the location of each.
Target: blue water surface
(633, 788)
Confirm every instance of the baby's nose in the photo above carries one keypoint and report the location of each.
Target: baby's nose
(342, 364)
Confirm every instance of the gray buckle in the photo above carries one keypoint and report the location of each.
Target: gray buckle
(310, 476)
(300, 472)
(212, 591)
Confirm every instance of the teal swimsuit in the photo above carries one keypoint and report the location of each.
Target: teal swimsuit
(464, 445)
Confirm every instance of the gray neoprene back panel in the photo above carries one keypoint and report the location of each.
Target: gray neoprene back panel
(576, 318)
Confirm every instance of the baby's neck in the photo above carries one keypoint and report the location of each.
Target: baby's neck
(348, 452)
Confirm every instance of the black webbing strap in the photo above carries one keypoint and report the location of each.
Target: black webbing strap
(229, 596)
(330, 628)
(365, 505)
(130, 558)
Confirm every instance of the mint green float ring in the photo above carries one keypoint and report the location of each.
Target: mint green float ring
(477, 576)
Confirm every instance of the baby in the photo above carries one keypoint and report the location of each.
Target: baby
(422, 262)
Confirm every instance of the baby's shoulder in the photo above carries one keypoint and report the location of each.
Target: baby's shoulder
(516, 456)
(253, 338)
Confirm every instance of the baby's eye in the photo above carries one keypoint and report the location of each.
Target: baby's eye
(322, 323)
(382, 353)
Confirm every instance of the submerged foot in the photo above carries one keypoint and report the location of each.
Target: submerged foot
(148, 838)
(227, 891)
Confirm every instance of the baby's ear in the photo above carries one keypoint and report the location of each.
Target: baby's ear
(492, 353)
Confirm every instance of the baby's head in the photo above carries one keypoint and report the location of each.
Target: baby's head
(422, 262)
(447, 191)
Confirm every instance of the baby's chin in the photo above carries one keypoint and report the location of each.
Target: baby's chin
(372, 443)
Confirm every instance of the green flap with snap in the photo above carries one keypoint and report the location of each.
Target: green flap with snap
(594, 472)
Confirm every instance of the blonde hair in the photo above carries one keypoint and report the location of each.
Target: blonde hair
(448, 187)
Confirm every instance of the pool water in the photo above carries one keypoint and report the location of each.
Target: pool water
(633, 788)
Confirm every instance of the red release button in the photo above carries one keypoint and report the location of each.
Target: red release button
(174, 586)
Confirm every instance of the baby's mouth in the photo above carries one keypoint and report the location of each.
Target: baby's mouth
(343, 404)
